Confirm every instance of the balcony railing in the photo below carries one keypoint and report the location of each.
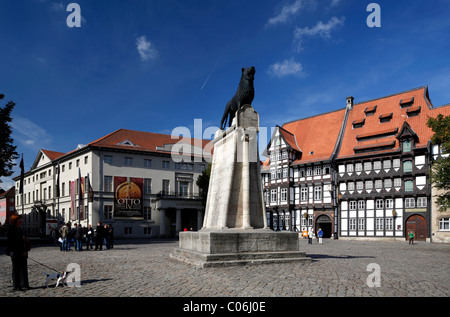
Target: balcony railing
(175, 195)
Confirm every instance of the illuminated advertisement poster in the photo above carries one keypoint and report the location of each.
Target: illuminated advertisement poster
(128, 198)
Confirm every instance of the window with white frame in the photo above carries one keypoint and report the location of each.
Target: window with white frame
(444, 224)
(389, 224)
(284, 154)
(387, 183)
(107, 185)
(397, 182)
(351, 186)
(378, 184)
(361, 224)
(278, 156)
(284, 194)
(273, 196)
(367, 166)
(128, 161)
(147, 186)
(358, 167)
(147, 163)
(317, 170)
(352, 224)
(410, 203)
(387, 164)
(396, 163)
(279, 173)
(379, 203)
(389, 203)
(285, 172)
(310, 220)
(107, 159)
(361, 204)
(304, 193)
(359, 185)
(326, 169)
(352, 205)
(273, 174)
(422, 202)
(317, 192)
(379, 223)
(377, 165)
(302, 172)
(349, 168)
(309, 171)
(369, 185)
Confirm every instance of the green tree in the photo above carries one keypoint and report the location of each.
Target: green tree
(203, 183)
(7, 150)
(440, 170)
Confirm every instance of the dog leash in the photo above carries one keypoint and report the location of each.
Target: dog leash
(44, 265)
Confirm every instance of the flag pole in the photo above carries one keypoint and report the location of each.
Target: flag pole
(21, 185)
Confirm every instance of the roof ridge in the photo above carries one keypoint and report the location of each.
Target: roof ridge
(392, 95)
(313, 116)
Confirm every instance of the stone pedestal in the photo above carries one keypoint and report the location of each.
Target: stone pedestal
(235, 230)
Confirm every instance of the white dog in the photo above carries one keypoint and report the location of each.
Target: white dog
(59, 277)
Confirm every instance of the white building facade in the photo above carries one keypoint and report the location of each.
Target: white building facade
(130, 179)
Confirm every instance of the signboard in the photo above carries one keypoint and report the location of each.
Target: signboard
(128, 197)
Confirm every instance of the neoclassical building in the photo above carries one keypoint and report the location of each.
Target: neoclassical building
(358, 172)
(142, 183)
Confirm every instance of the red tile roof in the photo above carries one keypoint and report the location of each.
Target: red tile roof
(316, 136)
(399, 105)
(144, 141)
(52, 155)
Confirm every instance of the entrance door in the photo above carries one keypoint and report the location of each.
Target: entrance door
(418, 225)
(324, 222)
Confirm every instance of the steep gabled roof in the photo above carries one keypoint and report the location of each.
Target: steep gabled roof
(316, 136)
(392, 115)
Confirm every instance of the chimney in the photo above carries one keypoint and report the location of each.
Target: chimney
(350, 102)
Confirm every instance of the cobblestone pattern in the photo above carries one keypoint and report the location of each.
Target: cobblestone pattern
(339, 268)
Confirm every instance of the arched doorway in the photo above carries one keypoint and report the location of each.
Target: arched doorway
(418, 225)
(324, 222)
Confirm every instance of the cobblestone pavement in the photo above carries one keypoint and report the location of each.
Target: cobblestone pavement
(339, 268)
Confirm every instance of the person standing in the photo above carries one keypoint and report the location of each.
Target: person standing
(64, 232)
(17, 248)
(106, 236)
(89, 237)
(411, 237)
(310, 235)
(98, 236)
(320, 235)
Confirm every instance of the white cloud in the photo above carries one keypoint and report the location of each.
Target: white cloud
(335, 3)
(320, 29)
(285, 68)
(285, 12)
(30, 134)
(146, 49)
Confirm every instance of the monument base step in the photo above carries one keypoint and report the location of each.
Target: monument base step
(231, 247)
(238, 259)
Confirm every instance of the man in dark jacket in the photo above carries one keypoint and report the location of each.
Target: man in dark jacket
(17, 247)
(99, 236)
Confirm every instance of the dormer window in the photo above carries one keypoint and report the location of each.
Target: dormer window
(406, 145)
(385, 117)
(406, 102)
(370, 110)
(358, 123)
(413, 111)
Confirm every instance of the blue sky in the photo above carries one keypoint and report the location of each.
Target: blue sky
(156, 65)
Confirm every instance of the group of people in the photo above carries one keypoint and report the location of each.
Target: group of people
(79, 235)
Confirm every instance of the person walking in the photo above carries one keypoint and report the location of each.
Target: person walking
(111, 236)
(411, 237)
(17, 248)
(89, 237)
(310, 235)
